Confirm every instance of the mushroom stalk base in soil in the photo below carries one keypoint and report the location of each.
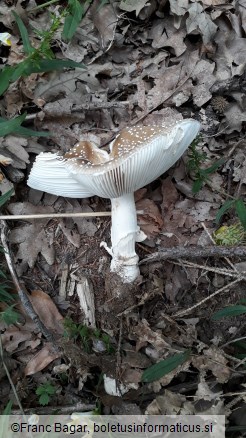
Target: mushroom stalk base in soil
(124, 234)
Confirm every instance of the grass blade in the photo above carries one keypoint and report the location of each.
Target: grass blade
(4, 198)
(238, 309)
(46, 65)
(241, 212)
(9, 126)
(214, 166)
(164, 367)
(5, 76)
(225, 207)
(72, 20)
(28, 49)
(21, 130)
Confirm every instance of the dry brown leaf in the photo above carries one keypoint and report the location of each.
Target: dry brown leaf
(47, 311)
(85, 226)
(199, 20)
(170, 404)
(13, 337)
(203, 75)
(180, 7)
(133, 5)
(105, 20)
(41, 360)
(31, 238)
(144, 334)
(165, 35)
(5, 161)
(72, 235)
(213, 360)
(150, 221)
(235, 117)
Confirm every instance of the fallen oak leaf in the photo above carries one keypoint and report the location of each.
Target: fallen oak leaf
(41, 360)
(47, 311)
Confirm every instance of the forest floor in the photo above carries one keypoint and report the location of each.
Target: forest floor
(143, 63)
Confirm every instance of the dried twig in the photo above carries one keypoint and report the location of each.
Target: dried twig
(54, 215)
(220, 271)
(213, 241)
(92, 106)
(58, 215)
(195, 252)
(23, 295)
(219, 291)
(61, 410)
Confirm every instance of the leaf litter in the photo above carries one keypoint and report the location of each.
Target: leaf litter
(152, 61)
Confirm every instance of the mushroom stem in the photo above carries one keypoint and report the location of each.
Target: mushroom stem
(124, 234)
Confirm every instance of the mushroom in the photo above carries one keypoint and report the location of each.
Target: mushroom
(138, 155)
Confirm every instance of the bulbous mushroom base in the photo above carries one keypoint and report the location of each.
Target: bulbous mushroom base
(128, 269)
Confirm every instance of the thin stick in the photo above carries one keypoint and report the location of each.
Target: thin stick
(57, 215)
(192, 252)
(53, 215)
(223, 289)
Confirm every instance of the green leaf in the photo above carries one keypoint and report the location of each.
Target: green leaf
(72, 20)
(8, 407)
(31, 133)
(5, 296)
(23, 69)
(164, 367)
(44, 399)
(225, 207)
(241, 211)
(9, 315)
(238, 309)
(10, 125)
(5, 75)
(46, 65)
(214, 166)
(28, 49)
(46, 388)
(197, 185)
(240, 345)
(4, 198)
(21, 130)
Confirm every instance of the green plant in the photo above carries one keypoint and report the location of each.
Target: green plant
(238, 309)
(8, 408)
(14, 126)
(86, 335)
(38, 59)
(201, 177)
(45, 392)
(238, 205)
(230, 235)
(75, 13)
(164, 367)
(196, 159)
(233, 311)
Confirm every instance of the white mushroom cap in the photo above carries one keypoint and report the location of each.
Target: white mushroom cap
(50, 175)
(138, 156)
